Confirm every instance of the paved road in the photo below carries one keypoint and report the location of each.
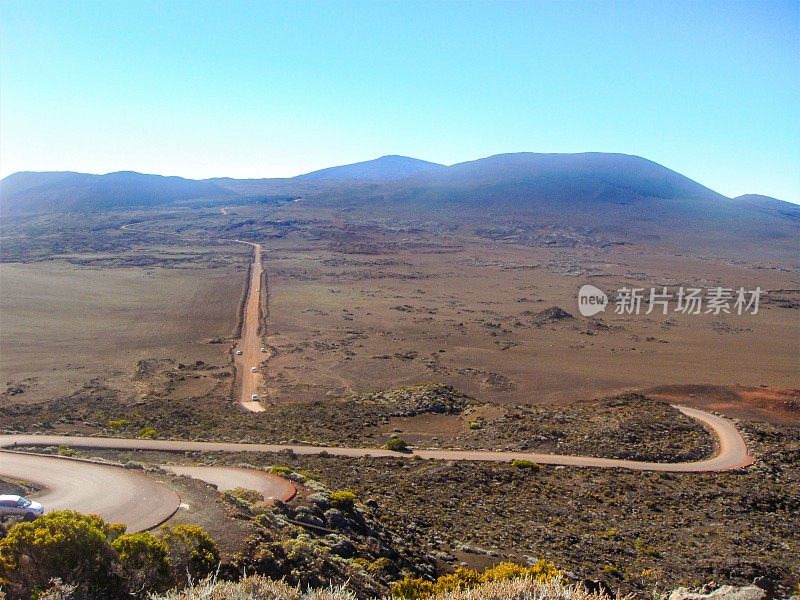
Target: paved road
(249, 343)
(732, 450)
(270, 486)
(116, 494)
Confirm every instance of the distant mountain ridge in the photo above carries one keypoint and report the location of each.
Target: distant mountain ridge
(562, 178)
(602, 196)
(32, 192)
(771, 204)
(385, 168)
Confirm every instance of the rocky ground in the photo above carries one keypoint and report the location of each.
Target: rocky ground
(628, 426)
(634, 531)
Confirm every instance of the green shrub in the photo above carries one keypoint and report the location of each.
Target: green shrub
(96, 559)
(66, 451)
(245, 495)
(147, 433)
(191, 550)
(143, 562)
(642, 547)
(117, 424)
(466, 579)
(611, 570)
(396, 444)
(521, 463)
(412, 588)
(62, 544)
(380, 564)
(461, 579)
(612, 533)
(343, 499)
(541, 570)
(282, 471)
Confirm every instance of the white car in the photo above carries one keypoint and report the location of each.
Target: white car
(19, 506)
(263, 349)
(238, 353)
(253, 370)
(254, 397)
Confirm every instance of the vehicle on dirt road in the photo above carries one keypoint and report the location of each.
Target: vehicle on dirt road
(12, 505)
(253, 370)
(238, 353)
(254, 397)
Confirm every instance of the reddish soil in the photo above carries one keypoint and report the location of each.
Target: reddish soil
(780, 406)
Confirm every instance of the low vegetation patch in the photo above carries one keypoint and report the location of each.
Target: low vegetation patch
(343, 499)
(117, 424)
(148, 433)
(413, 588)
(396, 444)
(98, 559)
(521, 463)
(247, 496)
(514, 587)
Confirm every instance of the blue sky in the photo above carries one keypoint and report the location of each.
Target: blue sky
(258, 89)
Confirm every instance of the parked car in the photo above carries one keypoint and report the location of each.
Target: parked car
(253, 370)
(18, 506)
(254, 397)
(263, 349)
(238, 353)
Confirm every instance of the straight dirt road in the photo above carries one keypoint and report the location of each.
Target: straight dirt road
(248, 380)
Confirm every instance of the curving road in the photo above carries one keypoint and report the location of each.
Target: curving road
(271, 487)
(141, 502)
(126, 496)
(732, 452)
(116, 494)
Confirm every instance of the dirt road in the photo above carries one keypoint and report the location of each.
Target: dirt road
(248, 381)
(125, 496)
(270, 486)
(140, 502)
(731, 452)
(116, 494)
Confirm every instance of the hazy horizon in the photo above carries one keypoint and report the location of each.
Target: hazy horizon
(273, 90)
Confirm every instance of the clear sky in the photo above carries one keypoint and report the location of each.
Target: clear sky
(259, 89)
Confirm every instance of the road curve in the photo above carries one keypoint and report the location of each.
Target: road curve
(271, 487)
(116, 494)
(732, 452)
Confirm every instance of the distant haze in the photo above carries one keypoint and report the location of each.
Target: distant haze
(274, 89)
(612, 198)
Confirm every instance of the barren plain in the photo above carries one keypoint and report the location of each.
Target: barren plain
(444, 334)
